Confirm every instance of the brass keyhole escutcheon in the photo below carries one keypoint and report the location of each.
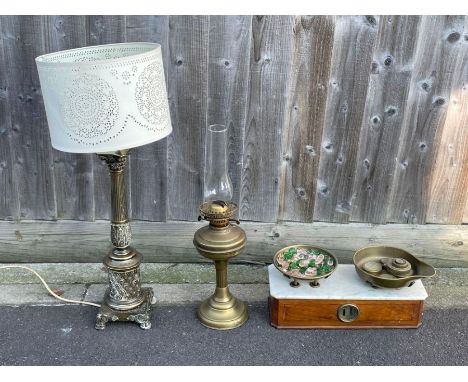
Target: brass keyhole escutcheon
(348, 312)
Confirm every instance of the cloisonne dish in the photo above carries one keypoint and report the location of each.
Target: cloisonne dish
(389, 267)
(305, 262)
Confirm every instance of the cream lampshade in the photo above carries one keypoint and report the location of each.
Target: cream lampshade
(108, 99)
(105, 98)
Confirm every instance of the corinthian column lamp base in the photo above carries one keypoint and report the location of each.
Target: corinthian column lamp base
(140, 315)
(124, 300)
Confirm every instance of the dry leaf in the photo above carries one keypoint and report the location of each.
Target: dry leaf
(58, 292)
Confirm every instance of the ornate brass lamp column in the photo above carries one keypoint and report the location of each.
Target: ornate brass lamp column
(220, 240)
(124, 300)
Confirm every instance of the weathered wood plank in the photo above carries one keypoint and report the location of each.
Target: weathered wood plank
(188, 91)
(23, 41)
(148, 163)
(383, 117)
(449, 176)
(105, 30)
(431, 84)
(270, 62)
(9, 196)
(74, 187)
(228, 67)
(302, 133)
(465, 214)
(69, 241)
(352, 54)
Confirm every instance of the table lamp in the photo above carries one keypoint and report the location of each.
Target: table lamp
(106, 100)
(220, 240)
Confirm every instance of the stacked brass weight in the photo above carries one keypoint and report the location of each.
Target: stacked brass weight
(219, 241)
(124, 300)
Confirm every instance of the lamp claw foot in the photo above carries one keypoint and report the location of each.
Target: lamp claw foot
(101, 321)
(143, 320)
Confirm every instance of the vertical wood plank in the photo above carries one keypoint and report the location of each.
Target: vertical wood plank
(9, 197)
(383, 116)
(23, 41)
(105, 30)
(148, 163)
(188, 91)
(228, 67)
(302, 134)
(428, 98)
(74, 187)
(449, 175)
(270, 61)
(352, 54)
(465, 214)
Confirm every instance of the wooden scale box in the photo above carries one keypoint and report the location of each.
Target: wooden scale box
(343, 299)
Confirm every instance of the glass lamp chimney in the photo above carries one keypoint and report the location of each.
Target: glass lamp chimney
(218, 185)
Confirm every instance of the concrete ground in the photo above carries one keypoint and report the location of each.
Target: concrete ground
(38, 330)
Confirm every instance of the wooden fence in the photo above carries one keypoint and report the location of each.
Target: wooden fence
(332, 118)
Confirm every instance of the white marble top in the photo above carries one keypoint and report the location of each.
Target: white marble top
(344, 283)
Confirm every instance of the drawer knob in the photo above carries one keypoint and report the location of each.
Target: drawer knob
(347, 312)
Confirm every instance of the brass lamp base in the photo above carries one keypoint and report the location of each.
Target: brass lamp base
(222, 311)
(140, 314)
(220, 241)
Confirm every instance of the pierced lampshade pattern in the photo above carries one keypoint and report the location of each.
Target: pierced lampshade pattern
(105, 98)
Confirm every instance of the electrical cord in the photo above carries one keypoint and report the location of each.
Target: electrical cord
(47, 286)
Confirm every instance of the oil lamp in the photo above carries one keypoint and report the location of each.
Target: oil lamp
(220, 240)
(107, 99)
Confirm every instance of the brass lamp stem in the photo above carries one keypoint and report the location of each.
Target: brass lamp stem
(118, 195)
(124, 300)
(221, 273)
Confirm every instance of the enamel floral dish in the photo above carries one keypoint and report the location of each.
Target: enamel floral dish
(305, 262)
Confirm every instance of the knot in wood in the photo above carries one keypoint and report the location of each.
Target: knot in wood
(453, 37)
(366, 163)
(328, 146)
(439, 101)
(301, 191)
(371, 20)
(310, 150)
(390, 111)
(324, 190)
(426, 86)
(376, 120)
(388, 61)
